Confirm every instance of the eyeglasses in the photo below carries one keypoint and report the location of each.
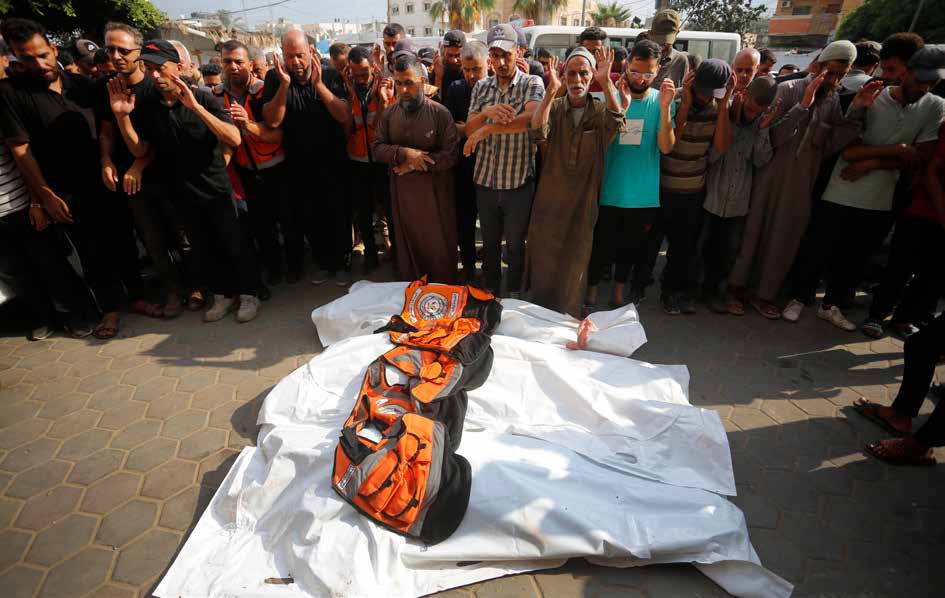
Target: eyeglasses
(644, 76)
(121, 51)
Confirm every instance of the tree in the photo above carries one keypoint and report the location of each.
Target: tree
(732, 16)
(462, 14)
(69, 18)
(611, 15)
(227, 21)
(878, 19)
(539, 11)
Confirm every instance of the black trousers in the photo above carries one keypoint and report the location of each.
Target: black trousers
(922, 352)
(916, 252)
(721, 239)
(683, 214)
(369, 187)
(267, 197)
(316, 212)
(155, 225)
(466, 213)
(622, 235)
(504, 213)
(33, 264)
(837, 247)
(221, 258)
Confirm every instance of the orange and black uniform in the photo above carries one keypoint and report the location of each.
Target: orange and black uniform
(261, 168)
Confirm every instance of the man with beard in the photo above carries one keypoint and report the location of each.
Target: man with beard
(702, 124)
(311, 116)
(447, 67)
(577, 130)
(40, 109)
(369, 95)
(897, 49)
(745, 67)
(417, 138)
(856, 212)
(474, 59)
(260, 159)
(185, 129)
(500, 113)
(811, 126)
(630, 194)
(767, 62)
(131, 190)
(393, 33)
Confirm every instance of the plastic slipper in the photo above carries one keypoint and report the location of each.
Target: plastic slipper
(146, 308)
(767, 310)
(734, 306)
(105, 331)
(870, 411)
(897, 456)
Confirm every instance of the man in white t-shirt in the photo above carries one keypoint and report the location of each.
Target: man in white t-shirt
(855, 214)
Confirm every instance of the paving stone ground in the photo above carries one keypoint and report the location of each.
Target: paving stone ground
(109, 452)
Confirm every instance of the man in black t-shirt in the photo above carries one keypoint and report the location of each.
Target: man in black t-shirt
(43, 110)
(311, 115)
(473, 58)
(184, 128)
(128, 198)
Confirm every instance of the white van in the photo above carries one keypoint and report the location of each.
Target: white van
(557, 39)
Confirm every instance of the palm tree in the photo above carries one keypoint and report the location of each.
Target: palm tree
(539, 10)
(227, 22)
(462, 14)
(611, 15)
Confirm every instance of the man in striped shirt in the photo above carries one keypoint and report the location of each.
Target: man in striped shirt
(701, 122)
(500, 111)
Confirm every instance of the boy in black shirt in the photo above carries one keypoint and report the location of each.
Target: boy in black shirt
(185, 127)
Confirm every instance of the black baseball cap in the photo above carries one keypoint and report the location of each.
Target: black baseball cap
(426, 55)
(403, 48)
(85, 50)
(454, 38)
(159, 51)
(711, 77)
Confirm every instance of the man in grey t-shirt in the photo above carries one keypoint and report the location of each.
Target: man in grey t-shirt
(856, 212)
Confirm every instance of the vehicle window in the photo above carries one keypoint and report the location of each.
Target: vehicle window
(700, 47)
(556, 43)
(723, 50)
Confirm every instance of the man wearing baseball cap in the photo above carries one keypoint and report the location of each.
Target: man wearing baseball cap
(500, 111)
(867, 59)
(448, 67)
(85, 56)
(702, 124)
(855, 213)
(674, 65)
(185, 129)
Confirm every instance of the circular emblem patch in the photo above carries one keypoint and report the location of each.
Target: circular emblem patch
(432, 306)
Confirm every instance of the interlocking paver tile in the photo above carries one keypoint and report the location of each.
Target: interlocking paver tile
(66, 537)
(110, 397)
(136, 434)
(196, 379)
(42, 477)
(214, 468)
(21, 433)
(82, 445)
(141, 374)
(64, 405)
(48, 391)
(213, 396)
(43, 509)
(112, 591)
(74, 423)
(184, 424)
(78, 575)
(12, 377)
(18, 393)
(96, 466)
(168, 479)
(517, 586)
(51, 371)
(30, 455)
(12, 545)
(120, 415)
(201, 444)
(155, 389)
(146, 557)
(20, 582)
(181, 511)
(168, 405)
(126, 523)
(252, 388)
(8, 510)
(105, 495)
(119, 348)
(127, 362)
(39, 360)
(151, 454)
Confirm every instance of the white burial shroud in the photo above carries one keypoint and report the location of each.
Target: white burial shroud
(573, 454)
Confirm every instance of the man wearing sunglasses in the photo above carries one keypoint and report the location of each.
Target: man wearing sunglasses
(129, 199)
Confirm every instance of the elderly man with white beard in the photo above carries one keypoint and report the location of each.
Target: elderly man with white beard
(577, 129)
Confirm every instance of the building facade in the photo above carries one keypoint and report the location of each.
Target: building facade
(414, 15)
(808, 22)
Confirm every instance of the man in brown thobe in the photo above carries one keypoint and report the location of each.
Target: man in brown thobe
(811, 127)
(578, 129)
(417, 138)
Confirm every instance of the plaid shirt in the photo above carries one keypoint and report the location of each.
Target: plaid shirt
(505, 161)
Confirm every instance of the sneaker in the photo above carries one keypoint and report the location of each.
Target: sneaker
(249, 308)
(835, 317)
(686, 305)
(670, 304)
(872, 328)
(321, 277)
(40, 333)
(636, 296)
(792, 313)
(78, 327)
(342, 278)
(221, 306)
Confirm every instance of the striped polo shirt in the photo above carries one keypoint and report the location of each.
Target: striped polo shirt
(505, 161)
(683, 170)
(13, 193)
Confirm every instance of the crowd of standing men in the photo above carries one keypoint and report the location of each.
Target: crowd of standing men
(575, 170)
